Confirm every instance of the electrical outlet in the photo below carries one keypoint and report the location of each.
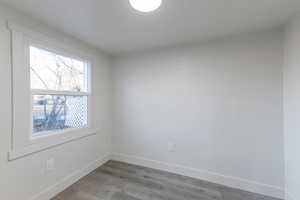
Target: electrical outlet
(50, 165)
(171, 146)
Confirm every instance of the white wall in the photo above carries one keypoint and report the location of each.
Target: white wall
(26, 177)
(292, 109)
(220, 103)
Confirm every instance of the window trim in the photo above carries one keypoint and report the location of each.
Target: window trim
(24, 143)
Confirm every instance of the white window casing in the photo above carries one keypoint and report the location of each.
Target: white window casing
(22, 142)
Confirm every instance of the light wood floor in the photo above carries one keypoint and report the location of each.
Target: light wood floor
(121, 181)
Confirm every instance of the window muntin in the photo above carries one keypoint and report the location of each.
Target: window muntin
(59, 88)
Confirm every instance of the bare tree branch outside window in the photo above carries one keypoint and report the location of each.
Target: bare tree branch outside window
(50, 71)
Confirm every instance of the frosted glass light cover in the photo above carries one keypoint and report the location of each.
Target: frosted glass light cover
(145, 5)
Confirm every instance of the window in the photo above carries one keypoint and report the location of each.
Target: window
(52, 100)
(59, 88)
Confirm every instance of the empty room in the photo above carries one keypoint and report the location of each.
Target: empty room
(150, 100)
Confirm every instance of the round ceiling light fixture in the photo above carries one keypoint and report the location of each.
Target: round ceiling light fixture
(145, 5)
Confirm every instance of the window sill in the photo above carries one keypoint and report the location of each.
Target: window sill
(38, 147)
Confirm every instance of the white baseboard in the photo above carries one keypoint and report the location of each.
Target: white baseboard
(239, 183)
(60, 186)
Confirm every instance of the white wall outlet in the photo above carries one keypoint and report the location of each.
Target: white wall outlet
(50, 165)
(171, 146)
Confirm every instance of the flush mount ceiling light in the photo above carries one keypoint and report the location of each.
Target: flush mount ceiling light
(145, 5)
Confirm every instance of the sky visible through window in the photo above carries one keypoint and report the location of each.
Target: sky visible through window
(52, 71)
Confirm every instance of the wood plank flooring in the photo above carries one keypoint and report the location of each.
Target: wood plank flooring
(121, 181)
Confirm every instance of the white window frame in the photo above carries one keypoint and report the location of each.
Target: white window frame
(23, 142)
(55, 92)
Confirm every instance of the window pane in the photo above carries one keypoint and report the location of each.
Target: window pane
(52, 71)
(57, 112)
